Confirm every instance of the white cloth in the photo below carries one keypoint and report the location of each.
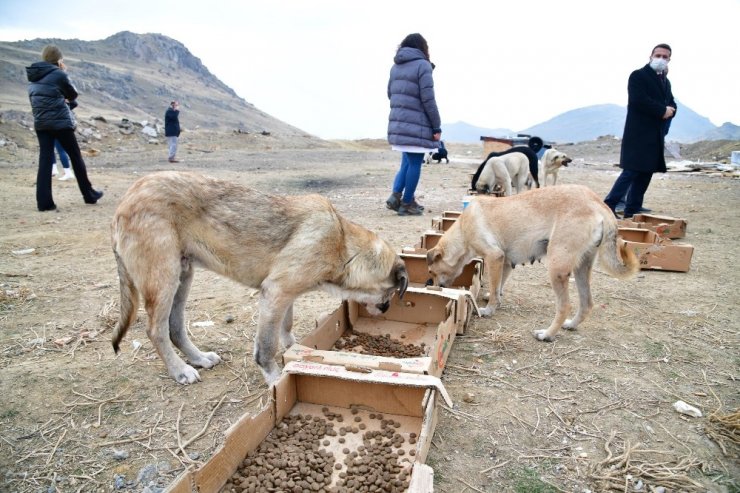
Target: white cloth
(420, 150)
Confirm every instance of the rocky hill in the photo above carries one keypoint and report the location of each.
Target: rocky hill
(135, 76)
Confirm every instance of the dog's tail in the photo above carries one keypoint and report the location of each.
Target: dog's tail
(129, 303)
(482, 165)
(615, 256)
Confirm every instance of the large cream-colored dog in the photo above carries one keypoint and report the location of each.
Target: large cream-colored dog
(503, 171)
(552, 160)
(168, 223)
(569, 224)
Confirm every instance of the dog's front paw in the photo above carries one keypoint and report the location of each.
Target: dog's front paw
(206, 360)
(569, 325)
(487, 311)
(186, 375)
(541, 335)
(287, 340)
(271, 374)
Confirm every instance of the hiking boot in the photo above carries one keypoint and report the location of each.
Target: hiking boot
(394, 201)
(417, 204)
(95, 195)
(410, 209)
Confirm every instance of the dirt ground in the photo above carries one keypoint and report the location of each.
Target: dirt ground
(592, 411)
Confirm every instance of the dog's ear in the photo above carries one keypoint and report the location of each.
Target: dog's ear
(433, 255)
(402, 279)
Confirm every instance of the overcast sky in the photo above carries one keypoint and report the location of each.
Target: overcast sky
(322, 65)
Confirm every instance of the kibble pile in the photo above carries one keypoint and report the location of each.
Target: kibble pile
(294, 457)
(378, 345)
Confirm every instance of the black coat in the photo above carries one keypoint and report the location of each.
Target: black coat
(172, 122)
(645, 129)
(48, 89)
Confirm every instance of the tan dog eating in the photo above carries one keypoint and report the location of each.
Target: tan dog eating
(168, 223)
(569, 224)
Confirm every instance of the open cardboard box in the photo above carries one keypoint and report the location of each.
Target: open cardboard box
(312, 388)
(665, 226)
(443, 223)
(429, 239)
(656, 253)
(429, 317)
(469, 281)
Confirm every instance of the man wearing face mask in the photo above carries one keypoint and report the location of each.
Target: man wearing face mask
(650, 108)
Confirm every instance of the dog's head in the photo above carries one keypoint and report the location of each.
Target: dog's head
(559, 159)
(373, 276)
(400, 279)
(445, 262)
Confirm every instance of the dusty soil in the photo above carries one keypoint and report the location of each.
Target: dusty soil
(591, 411)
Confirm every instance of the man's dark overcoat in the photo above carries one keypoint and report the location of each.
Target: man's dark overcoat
(644, 128)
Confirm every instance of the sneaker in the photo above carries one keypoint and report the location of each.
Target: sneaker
(410, 209)
(94, 197)
(393, 202)
(54, 170)
(68, 175)
(173, 160)
(644, 210)
(619, 207)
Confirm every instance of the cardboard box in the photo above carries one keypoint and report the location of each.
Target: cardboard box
(656, 253)
(430, 239)
(418, 271)
(666, 226)
(422, 316)
(315, 389)
(442, 223)
(469, 281)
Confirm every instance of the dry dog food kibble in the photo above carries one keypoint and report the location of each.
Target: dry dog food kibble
(377, 345)
(292, 459)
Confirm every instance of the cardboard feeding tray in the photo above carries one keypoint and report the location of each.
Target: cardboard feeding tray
(415, 335)
(666, 226)
(442, 223)
(469, 281)
(325, 427)
(656, 253)
(418, 271)
(430, 239)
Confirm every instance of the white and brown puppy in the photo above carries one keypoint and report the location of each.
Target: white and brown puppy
(552, 160)
(168, 223)
(570, 224)
(504, 171)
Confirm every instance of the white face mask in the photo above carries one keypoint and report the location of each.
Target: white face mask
(658, 64)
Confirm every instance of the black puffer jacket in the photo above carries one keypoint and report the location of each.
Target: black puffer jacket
(48, 89)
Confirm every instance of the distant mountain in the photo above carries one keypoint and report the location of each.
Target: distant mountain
(135, 76)
(464, 132)
(727, 131)
(592, 122)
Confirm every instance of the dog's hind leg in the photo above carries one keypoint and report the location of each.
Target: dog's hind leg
(559, 270)
(178, 334)
(582, 276)
(158, 289)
